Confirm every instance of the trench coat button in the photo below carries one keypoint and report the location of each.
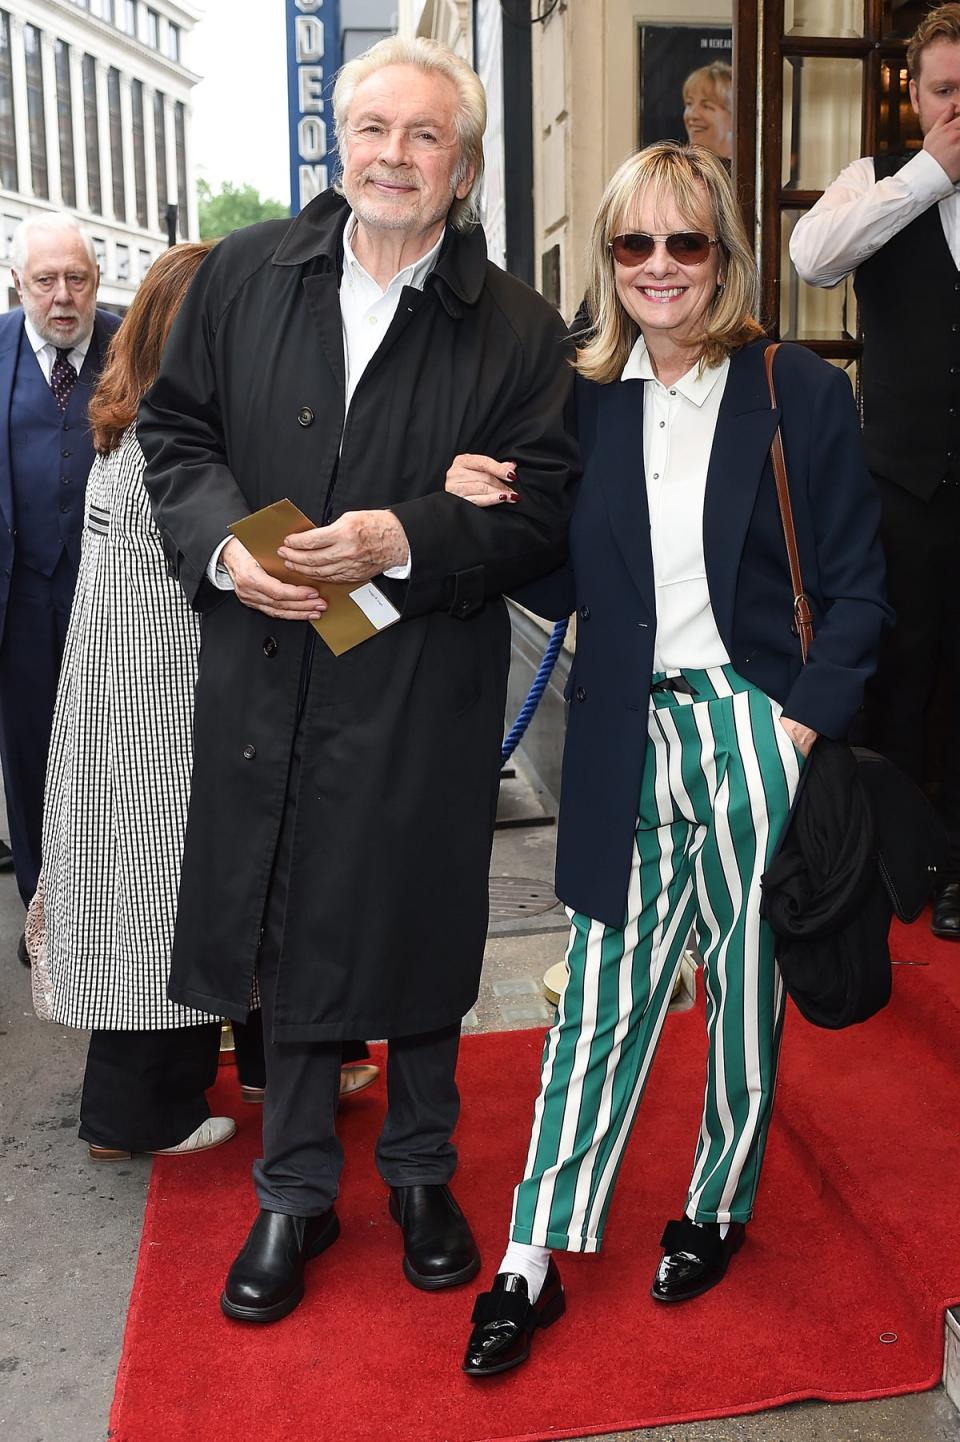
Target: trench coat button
(580, 693)
(584, 613)
(463, 608)
(270, 646)
(305, 416)
(249, 752)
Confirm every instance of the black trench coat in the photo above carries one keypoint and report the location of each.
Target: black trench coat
(387, 903)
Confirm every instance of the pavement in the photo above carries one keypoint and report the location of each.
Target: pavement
(70, 1229)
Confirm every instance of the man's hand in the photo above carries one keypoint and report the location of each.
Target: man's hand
(353, 549)
(801, 736)
(262, 593)
(482, 480)
(942, 141)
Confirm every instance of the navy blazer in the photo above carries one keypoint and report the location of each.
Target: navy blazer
(609, 581)
(11, 337)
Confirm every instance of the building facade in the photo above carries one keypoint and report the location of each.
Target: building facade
(95, 120)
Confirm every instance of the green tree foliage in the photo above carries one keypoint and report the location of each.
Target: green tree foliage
(232, 207)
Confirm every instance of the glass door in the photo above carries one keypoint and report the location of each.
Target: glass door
(818, 83)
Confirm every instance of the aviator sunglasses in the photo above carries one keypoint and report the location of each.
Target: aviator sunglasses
(688, 247)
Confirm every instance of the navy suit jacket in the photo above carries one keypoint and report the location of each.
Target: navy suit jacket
(609, 581)
(12, 337)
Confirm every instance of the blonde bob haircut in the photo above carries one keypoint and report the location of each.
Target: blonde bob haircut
(471, 114)
(699, 186)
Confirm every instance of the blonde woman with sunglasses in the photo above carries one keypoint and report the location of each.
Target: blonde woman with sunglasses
(691, 715)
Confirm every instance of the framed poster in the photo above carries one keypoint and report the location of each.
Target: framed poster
(686, 86)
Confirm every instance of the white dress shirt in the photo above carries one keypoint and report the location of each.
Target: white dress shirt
(679, 422)
(366, 312)
(46, 352)
(858, 214)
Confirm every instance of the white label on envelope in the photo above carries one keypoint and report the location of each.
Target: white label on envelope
(375, 606)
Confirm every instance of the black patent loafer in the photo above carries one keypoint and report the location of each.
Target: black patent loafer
(696, 1258)
(266, 1280)
(945, 921)
(439, 1250)
(504, 1320)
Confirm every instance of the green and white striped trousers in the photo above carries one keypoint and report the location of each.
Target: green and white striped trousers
(719, 776)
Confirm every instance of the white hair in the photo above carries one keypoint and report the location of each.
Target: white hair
(470, 119)
(47, 221)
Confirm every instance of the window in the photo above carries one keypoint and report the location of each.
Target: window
(129, 18)
(68, 175)
(92, 133)
(139, 152)
(123, 261)
(146, 260)
(100, 251)
(116, 143)
(35, 117)
(153, 29)
(8, 138)
(160, 145)
(173, 41)
(180, 135)
(103, 9)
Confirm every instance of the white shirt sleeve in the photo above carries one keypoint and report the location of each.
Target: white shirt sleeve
(401, 573)
(217, 574)
(858, 214)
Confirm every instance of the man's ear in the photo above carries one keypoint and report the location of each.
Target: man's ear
(913, 97)
(463, 189)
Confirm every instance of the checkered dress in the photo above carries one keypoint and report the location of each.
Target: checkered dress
(118, 777)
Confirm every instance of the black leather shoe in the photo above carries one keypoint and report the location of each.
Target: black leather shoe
(23, 956)
(945, 921)
(266, 1280)
(6, 858)
(504, 1321)
(696, 1258)
(439, 1250)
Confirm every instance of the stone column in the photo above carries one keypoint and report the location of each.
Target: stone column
(79, 129)
(126, 128)
(18, 65)
(150, 150)
(50, 118)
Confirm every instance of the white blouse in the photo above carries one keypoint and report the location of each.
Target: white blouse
(679, 422)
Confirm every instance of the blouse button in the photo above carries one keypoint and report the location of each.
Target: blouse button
(305, 416)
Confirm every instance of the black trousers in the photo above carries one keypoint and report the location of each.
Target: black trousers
(34, 633)
(146, 1090)
(921, 541)
(299, 1172)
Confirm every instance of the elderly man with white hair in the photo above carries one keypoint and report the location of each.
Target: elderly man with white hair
(341, 815)
(51, 352)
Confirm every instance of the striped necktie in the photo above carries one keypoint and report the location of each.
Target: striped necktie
(63, 378)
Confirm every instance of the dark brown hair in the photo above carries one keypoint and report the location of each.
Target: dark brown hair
(941, 24)
(133, 358)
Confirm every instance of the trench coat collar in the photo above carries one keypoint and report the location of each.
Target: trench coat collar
(316, 234)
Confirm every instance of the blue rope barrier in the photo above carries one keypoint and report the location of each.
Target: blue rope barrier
(515, 735)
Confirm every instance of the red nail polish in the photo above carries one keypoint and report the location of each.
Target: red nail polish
(503, 496)
(513, 499)
(511, 476)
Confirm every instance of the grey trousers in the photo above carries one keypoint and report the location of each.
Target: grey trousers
(299, 1172)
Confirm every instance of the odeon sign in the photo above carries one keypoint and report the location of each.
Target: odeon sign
(313, 58)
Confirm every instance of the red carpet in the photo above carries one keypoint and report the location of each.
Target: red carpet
(857, 1234)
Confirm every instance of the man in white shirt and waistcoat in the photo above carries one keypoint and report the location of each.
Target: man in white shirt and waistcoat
(51, 353)
(342, 807)
(893, 221)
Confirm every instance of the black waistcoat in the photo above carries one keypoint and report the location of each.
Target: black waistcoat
(909, 299)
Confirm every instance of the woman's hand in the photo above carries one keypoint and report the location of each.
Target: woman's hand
(801, 736)
(482, 480)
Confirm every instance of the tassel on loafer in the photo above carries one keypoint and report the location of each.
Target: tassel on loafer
(504, 1321)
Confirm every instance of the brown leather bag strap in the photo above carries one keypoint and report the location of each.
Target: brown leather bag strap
(802, 614)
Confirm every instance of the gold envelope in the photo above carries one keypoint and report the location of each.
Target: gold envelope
(344, 623)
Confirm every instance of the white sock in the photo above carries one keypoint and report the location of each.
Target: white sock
(530, 1262)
